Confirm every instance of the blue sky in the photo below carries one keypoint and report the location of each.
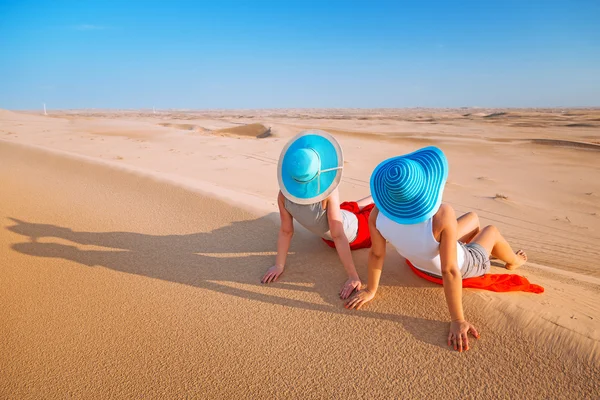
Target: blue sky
(278, 54)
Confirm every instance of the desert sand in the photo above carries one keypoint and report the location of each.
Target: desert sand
(133, 244)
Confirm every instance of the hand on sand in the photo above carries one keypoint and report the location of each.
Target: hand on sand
(350, 286)
(458, 336)
(359, 299)
(272, 274)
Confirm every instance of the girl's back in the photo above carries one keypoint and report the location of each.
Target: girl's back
(314, 218)
(416, 243)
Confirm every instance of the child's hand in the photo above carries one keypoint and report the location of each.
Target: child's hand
(459, 335)
(359, 299)
(349, 286)
(272, 274)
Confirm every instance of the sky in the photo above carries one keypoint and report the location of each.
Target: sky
(299, 54)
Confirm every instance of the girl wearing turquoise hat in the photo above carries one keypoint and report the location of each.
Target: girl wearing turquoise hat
(409, 213)
(309, 172)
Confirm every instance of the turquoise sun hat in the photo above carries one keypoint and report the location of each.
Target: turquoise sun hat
(408, 189)
(310, 167)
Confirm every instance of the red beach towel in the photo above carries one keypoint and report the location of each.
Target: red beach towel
(363, 236)
(493, 282)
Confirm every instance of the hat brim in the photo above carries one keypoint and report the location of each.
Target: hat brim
(331, 156)
(435, 166)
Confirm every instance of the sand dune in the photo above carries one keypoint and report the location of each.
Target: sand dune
(185, 127)
(567, 143)
(139, 276)
(258, 131)
(134, 287)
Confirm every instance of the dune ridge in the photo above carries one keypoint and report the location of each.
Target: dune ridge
(256, 130)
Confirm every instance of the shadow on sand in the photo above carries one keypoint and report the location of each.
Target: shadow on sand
(238, 253)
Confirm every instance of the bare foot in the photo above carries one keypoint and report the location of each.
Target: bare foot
(520, 259)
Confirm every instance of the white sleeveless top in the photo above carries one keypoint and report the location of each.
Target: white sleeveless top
(416, 243)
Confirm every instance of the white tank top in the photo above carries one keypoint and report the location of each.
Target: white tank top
(416, 243)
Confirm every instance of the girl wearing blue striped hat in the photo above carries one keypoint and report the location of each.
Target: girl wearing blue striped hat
(409, 213)
(309, 172)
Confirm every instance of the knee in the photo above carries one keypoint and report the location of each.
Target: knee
(474, 217)
(491, 229)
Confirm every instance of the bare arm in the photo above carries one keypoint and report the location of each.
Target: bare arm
(376, 259)
(286, 232)
(453, 280)
(450, 272)
(336, 229)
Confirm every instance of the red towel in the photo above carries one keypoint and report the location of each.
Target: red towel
(363, 236)
(493, 282)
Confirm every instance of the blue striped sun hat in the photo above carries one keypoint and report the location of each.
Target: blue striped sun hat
(408, 189)
(310, 167)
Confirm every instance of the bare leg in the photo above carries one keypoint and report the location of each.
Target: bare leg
(364, 202)
(468, 227)
(497, 246)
